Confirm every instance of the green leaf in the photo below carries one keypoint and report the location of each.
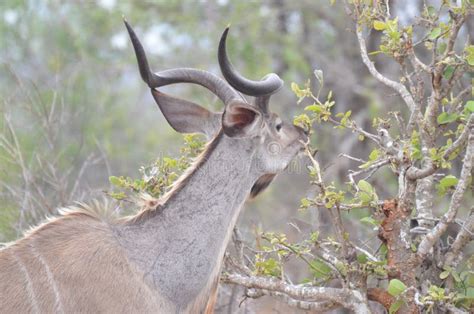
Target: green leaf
(314, 236)
(444, 274)
(302, 121)
(379, 25)
(295, 88)
(396, 287)
(434, 33)
(362, 258)
(469, 106)
(470, 59)
(116, 181)
(448, 72)
(269, 267)
(448, 181)
(365, 186)
(445, 118)
(314, 108)
(442, 47)
(374, 154)
(470, 55)
(365, 197)
(366, 192)
(118, 196)
(300, 93)
(456, 276)
(395, 306)
(305, 203)
(170, 162)
(431, 10)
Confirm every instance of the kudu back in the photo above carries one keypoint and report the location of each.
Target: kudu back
(164, 259)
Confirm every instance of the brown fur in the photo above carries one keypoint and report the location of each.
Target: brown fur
(71, 264)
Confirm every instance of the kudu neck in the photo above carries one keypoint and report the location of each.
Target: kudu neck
(224, 172)
(180, 248)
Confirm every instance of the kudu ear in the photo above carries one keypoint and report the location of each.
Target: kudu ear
(240, 119)
(185, 116)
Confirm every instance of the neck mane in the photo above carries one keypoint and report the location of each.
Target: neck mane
(179, 246)
(149, 211)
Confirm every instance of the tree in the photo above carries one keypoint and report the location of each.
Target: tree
(415, 269)
(413, 166)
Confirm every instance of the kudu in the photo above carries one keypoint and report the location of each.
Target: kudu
(165, 259)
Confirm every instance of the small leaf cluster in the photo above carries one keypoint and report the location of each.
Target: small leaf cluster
(319, 110)
(437, 295)
(464, 283)
(329, 198)
(446, 183)
(377, 268)
(158, 177)
(449, 116)
(267, 267)
(366, 193)
(374, 156)
(270, 261)
(392, 40)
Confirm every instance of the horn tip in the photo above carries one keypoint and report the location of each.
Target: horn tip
(127, 25)
(226, 30)
(124, 19)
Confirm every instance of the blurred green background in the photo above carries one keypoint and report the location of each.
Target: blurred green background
(75, 110)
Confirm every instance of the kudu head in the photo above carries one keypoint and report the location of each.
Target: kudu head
(274, 142)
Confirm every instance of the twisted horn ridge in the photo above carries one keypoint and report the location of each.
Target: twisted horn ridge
(270, 84)
(179, 75)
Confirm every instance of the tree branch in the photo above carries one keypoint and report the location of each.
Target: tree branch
(396, 86)
(414, 173)
(454, 255)
(322, 306)
(432, 237)
(350, 299)
(381, 296)
(462, 138)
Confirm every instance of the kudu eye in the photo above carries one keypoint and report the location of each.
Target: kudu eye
(278, 125)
